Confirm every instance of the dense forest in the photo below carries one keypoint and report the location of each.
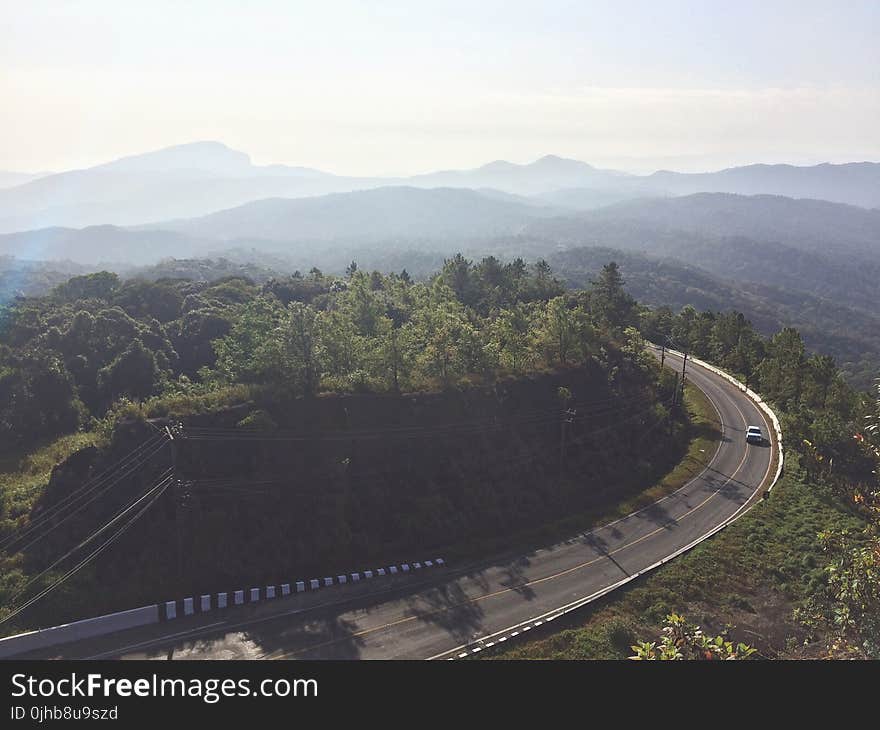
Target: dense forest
(827, 298)
(482, 356)
(96, 341)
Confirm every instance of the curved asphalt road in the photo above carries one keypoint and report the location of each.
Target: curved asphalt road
(451, 609)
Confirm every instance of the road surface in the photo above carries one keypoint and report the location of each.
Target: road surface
(451, 612)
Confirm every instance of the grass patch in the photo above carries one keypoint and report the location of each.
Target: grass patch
(749, 576)
(23, 478)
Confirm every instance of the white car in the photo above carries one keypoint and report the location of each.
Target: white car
(754, 435)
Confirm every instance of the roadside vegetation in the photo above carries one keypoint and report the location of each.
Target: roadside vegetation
(748, 579)
(797, 576)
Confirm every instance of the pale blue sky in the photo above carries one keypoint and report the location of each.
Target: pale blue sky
(405, 87)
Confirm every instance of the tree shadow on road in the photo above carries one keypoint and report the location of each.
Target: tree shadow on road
(450, 608)
(515, 578)
(333, 637)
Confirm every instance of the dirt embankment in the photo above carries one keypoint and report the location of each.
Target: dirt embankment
(349, 481)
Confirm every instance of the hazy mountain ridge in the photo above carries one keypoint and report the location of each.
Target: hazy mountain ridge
(541, 176)
(827, 249)
(10, 178)
(199, 178)
(806, 224)
(365, 215)
(824, 247)
(106, 245)
(854, 183)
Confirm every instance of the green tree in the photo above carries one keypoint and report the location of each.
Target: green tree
(340, 342)
(512, 335)
(612, 307)
(823, 371)
(38, 399)
(251, 352)
(134, 373)
(781, 372)
(545, 286)
(362, 304)
(301, 347)
(563, 330)
(458, 275)
(100, 285)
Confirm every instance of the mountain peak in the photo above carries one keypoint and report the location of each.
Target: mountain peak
(557, 162)
(497, 166)
(207, 155)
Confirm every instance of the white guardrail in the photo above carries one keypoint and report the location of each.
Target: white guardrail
(518, 630)
(170, 610)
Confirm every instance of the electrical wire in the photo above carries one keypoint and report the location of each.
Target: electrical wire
(466, 427)
(93, 495)
(204, 486)
(88, 487)
(155, 493)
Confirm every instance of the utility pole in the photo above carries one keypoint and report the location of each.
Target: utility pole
(173, 451)
(179, 504)
(181, 498)
(567, 417)
(675, 390)
(662, 355)
(683, 369)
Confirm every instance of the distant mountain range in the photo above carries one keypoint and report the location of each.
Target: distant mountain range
(200, 178)
(381, 214)
(828, 249)
(393, 217)
(808, 225)
(9, 179)
(856, 183)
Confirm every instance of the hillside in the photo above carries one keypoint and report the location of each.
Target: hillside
(852, 337)
(380, 214)
(109, 245)
(855, 183)
(816, 247)
(807, 225)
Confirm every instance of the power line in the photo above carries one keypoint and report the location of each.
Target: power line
(155, 493)
(93, 494)
(465, 427)
(109, 470)
(242, 484)
(88, 486)
(103, 528)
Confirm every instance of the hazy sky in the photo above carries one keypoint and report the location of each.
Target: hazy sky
(403, 87)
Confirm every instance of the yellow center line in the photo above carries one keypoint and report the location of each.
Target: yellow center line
(537, 581)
